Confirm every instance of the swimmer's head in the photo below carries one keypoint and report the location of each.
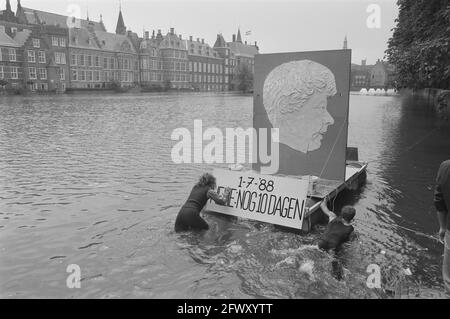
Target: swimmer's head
(348, 213)
(207, 180)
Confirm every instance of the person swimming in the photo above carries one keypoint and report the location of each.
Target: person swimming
(339, 228)
(188, 217)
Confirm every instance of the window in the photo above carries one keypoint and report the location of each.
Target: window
(31, 56)
(97, 61)
(42, 73)
(111, 63)
(42, 58)
(89, 60)
(81, 59)
(12, 54)
(60, 58)
(55, 41)
(97, 76)
(2, 74)
(14, 72)
(105, 63)
(89, 75)
(74, 75)
(36, 43)
(62, 74)
(32, 73)
(82, 75)
(43, 86)
(73, 59)
(62, 42)
(1, 55)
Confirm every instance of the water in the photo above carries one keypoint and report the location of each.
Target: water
(89, 180)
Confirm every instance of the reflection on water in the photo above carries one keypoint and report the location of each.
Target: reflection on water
(89, 180)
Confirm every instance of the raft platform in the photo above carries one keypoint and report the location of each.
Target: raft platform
(355, 177)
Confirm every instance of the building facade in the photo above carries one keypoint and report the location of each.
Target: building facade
(52, 52)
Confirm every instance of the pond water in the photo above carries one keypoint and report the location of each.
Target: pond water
(89, 180)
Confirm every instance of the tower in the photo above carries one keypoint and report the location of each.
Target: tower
(345, 43)
(120, 28)
(239, 39)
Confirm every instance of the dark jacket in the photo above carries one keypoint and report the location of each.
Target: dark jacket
(442, 190)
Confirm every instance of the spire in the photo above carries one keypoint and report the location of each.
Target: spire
(87, 13)
(239, 39)
(8, 6)
(120, 28)
(345, 43)
(19, 6)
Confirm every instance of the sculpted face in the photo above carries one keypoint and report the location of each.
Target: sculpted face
(295, 98)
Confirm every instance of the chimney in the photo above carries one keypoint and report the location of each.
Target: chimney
(234, 37)
(147, 35)
(129, 33)
(198, 39)
(190, 38)
(181, 38)
(256, 44)
(363, 62)
(153, 34)
(203, 41)
(172, 30)
(245, 42)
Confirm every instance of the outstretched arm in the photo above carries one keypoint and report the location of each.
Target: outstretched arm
(440, 204)
(329, 213)
(220, 199)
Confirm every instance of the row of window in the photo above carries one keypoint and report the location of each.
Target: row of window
(12, 70)
(12, 56)
(98, 76)
(32, 56)
(58, 41)
(207, 79)
(105, 62)
(205, 67)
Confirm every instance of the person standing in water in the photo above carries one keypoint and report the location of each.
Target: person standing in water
(339, 230)
(442, 204)
(189, 216)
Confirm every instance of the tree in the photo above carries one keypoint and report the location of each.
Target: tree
(244, 78)
(420, 45)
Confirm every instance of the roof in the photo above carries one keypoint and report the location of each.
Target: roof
(22, 36)
(172, 41)
(84, 39)
(241, 49)
(41, 17)
(220, 42)
(115, 42)
(203, 47)
(6, 40)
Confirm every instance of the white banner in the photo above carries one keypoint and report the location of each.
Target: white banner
(265, 198)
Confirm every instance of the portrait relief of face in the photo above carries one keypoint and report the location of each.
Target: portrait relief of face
(295, 98)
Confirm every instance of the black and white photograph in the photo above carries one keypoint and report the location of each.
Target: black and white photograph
(224, 155)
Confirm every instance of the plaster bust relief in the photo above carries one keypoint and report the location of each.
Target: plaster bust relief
(295, 98)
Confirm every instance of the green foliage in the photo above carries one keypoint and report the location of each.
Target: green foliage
(244, 79)
(420, 45)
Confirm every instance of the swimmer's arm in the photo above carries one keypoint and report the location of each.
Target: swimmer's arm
(220, 199)
(329, 213)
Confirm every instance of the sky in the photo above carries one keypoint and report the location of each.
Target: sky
(277, 26)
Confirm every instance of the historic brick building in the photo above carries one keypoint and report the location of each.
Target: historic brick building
(206, 66)
(11, 70)
(55, 52)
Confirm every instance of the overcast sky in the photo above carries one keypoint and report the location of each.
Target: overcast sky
(277, 26)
